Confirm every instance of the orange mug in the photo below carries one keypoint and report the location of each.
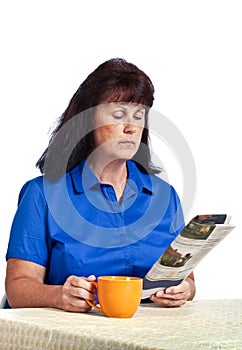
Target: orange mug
(118, 296)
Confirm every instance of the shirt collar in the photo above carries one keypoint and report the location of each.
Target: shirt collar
(84, 179)
(142, 181)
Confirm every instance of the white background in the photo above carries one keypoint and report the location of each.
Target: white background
(192, 52)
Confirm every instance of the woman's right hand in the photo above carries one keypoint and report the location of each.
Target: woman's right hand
(74, 292)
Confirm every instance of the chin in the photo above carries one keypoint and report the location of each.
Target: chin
(126, 156)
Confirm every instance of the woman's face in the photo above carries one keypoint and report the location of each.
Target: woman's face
(118, 129)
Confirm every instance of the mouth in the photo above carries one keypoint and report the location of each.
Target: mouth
(127, 143)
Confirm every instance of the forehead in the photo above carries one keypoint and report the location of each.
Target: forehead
(121, 105)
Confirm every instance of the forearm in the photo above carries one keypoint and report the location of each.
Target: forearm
(24, 292)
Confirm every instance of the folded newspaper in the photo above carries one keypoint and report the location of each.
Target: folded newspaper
(199, 236)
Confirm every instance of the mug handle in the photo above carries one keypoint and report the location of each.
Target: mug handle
(89, 302)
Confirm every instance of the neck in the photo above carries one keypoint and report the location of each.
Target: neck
(113, 173)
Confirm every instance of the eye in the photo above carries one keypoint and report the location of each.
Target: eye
(118, 114)
(139, 115)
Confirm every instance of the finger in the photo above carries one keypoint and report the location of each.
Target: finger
(176, 296)
(175, 289)
(91, 278)
(76, 305)
(75, 287)
(183, 287)
(168, 302)
(81, 293)
(78, 292)
(82, 282)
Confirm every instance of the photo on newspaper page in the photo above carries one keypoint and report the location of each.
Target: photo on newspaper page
(198, 237)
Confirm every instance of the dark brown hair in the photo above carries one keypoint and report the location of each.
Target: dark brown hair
(115, 80)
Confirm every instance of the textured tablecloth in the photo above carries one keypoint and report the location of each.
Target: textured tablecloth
(211, 324)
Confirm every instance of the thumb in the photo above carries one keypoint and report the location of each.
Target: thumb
(91, 278)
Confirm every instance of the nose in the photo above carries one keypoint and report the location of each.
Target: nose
(129, 126)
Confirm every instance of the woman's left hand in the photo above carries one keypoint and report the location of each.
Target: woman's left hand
(175, 296)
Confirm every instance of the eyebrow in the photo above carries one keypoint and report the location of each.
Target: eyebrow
(124, 104)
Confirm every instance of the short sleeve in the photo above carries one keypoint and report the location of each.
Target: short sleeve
(177, 223)
(28, 237)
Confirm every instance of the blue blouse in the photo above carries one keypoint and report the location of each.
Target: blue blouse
(76, 226)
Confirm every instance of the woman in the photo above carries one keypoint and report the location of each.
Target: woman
(98, 208)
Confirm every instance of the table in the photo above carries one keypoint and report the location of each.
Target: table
(201, 324)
